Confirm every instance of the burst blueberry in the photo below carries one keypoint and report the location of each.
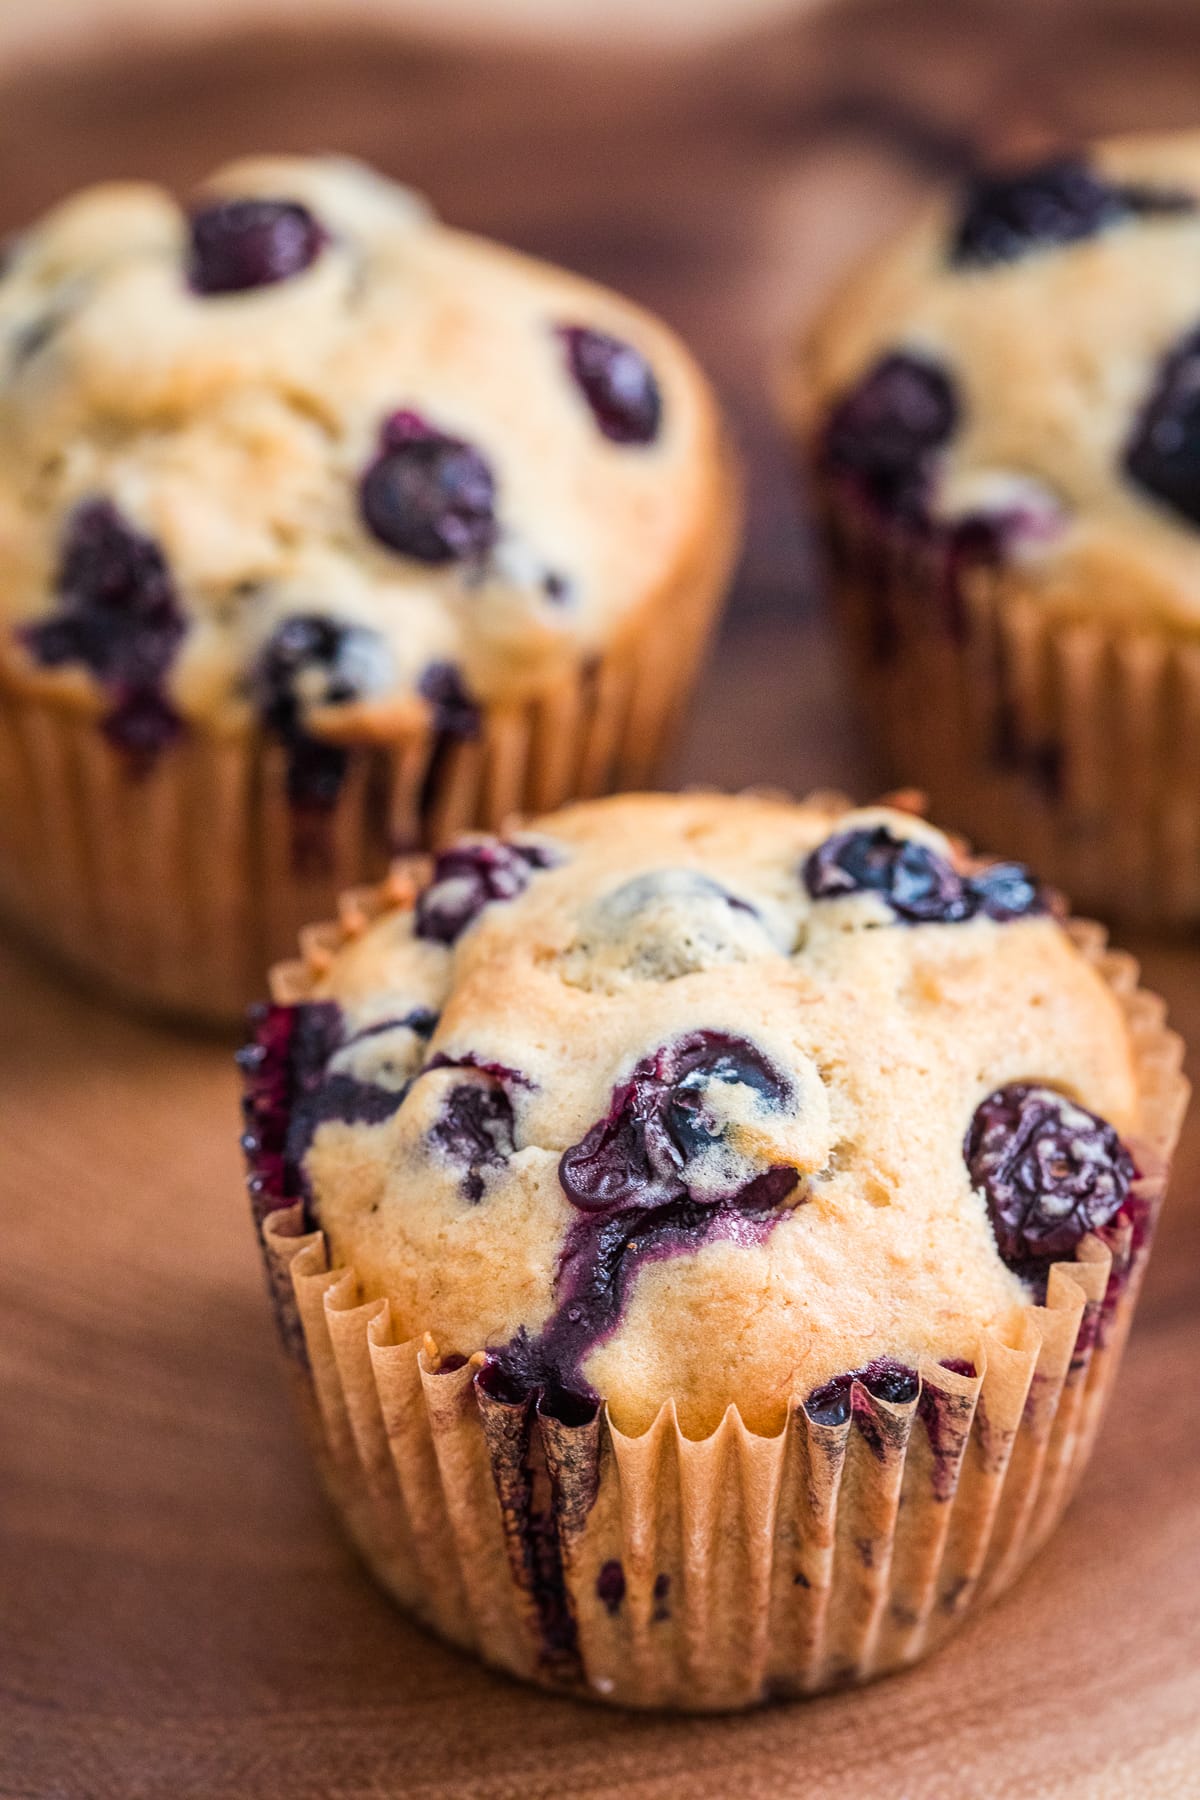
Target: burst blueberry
(468, 877)
(118, 616)
(883, 1378)
(1049, 1170)
(475, 1130)
(311, 660)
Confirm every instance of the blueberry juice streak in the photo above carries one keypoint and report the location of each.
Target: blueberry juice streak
(641, 1192)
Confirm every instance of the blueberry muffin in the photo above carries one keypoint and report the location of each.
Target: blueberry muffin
(325, 531)
(705, 1229)
(1002, 416)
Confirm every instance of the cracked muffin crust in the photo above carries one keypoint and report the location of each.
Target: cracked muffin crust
(710, 1099)
(306, 401)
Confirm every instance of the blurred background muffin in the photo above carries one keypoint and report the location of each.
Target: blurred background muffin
(1002, 416)
(325, 531)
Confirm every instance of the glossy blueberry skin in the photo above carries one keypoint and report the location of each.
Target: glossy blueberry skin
(1006, 216)
(617, 382)
(1050, 1171)
(886, 433)
(428, 495)
(238, 245)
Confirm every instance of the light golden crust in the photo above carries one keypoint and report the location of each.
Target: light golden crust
(234, 430)
(1054, 356)
(890, 1036)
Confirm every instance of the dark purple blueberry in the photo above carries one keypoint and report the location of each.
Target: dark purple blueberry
(241, 244)
(886, 433)
(475, 1130)
(629, 1177)
(1163, 456)
(920, 886)
(311, 660)
(454, 711)
(1050, 1171)
(659, 1122)
(468, 877)
(118, 616)
(959, 1365)
(617, 382)
(1007, 215)
(290, 1090)
(610, 1587)
(886, 1380)
(427, 495)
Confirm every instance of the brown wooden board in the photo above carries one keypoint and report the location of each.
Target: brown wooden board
(178, 1614)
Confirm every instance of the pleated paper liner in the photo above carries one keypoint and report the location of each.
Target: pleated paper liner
(175, 888)
(1072, 744)
(662, 1571)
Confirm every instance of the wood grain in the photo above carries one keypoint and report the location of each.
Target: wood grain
(178, 1615)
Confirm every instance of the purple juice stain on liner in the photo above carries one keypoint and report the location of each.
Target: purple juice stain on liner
(610, 1587)
(630, 1179)
(289, 1094)
(118, 616)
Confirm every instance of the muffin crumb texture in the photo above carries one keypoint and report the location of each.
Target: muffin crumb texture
(705, 1099)
(296, 454)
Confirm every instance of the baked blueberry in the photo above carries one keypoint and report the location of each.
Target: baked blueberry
(617, 382)
(1008, 215)
(919, 885)
(886, 434)
(236, 245)
(475, 1129)
(118, 616)
(428, 495)
(470, 876)
(1050, 1171)
(311, 660)
(1163, 455)
(887, 1380)
(662, 1124)
(454, 711)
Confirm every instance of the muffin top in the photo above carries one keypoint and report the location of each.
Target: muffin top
(700, 1098)
(1021, 370)
(298, 450)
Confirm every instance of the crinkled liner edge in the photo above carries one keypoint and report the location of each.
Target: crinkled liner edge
(751, 1566)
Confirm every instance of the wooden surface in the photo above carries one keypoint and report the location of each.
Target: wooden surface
(178, 1615)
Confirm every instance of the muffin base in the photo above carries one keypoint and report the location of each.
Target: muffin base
(751, 1567)
(1071, 742)
(174, 889)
